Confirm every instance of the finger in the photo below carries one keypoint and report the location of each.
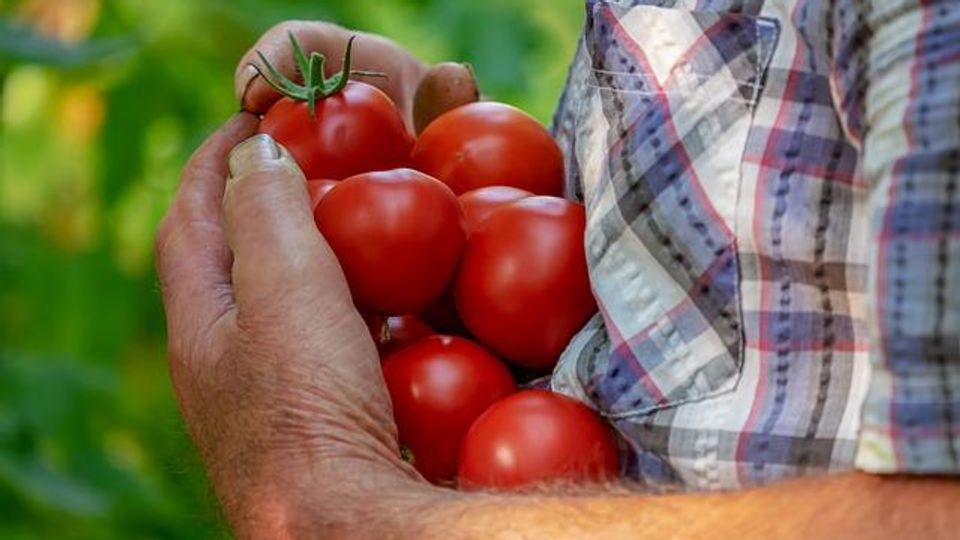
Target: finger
(269, 227)
(191, 255)
(205, 174)
(370, 53)
(444, 87)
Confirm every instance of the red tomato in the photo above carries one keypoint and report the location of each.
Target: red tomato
(522, 288)
(391, 334)
(398, 236)
(354, 131)
(487, 144)
(318, 189)
(478, 204)
(438, 387)
(537, 436)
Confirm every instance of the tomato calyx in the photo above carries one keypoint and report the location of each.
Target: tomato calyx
(406, 454)
(385, 335)
(316, 86)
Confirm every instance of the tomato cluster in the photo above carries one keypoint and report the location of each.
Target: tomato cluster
(462, 229)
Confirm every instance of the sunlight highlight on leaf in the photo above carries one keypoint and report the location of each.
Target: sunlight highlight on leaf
(80, 114)
(26, 93)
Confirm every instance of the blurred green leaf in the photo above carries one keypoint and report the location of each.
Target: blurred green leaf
(35, 481)
(21, 43)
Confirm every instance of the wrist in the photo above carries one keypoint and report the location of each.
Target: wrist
(307, 465)
(336, 497)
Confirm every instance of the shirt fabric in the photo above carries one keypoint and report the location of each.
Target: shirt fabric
(773, 235)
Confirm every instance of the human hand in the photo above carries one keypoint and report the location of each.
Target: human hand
(275, 371)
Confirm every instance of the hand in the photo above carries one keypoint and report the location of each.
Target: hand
(371, 53)
(276, 374)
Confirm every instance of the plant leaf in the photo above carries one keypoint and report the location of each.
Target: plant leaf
(21, 43)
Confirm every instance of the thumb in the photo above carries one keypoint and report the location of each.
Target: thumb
(269, 227)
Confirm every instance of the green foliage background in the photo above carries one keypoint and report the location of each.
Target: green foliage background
(94, 127)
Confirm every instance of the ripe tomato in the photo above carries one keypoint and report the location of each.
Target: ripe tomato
(438, 387)
(334, 127)
(536, 436)
(391, 334)
(354, 131)
(478, 204)
(486, 144)
(522, 288)
(398, 236)
(318, 189)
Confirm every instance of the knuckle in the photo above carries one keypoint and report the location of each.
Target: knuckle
(187, 223)
(300, 28)
(281, 29)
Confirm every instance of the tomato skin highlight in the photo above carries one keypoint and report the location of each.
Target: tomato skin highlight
(354, 131)
(390, 334)
(398, 236)
(522, 288)
(479, 203)
(438, 387)
(318, 189)
(537, 436)
(486, 144)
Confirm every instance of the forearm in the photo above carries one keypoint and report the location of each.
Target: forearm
(850, 505)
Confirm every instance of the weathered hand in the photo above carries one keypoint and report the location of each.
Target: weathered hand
(277, 377)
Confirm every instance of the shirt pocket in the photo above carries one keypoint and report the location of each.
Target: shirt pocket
(666, 107)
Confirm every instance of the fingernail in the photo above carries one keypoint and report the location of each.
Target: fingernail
(252, 154)
(244, 80)
(260, 153)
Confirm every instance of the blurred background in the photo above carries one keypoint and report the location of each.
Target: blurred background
(101, 102)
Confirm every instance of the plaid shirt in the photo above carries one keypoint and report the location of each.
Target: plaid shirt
(773, 235)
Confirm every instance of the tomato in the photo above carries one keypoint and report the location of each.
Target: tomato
(522, 288)
(478, 204)
(355, 131)
(486, 144)
(333, 127)
(398, 236)
(391, 334)
(318, 190)
(438, 387)
(536, 436)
